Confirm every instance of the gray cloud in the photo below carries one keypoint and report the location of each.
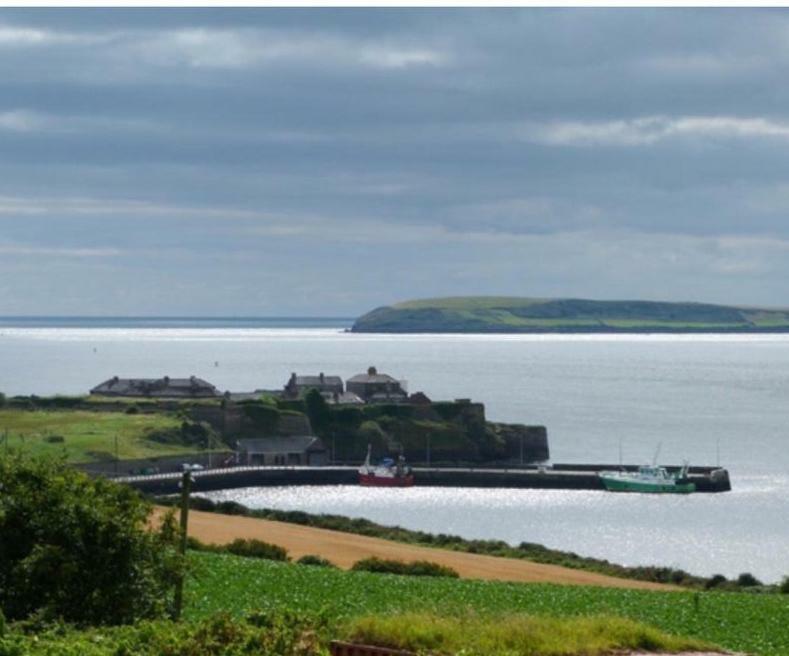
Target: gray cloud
(318, 161)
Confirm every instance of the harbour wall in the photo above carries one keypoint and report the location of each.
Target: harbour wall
(557, 477)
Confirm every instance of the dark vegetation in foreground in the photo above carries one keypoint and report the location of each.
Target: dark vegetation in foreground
(289, 633)
(82, 574)
(78, 549)
(525, 550)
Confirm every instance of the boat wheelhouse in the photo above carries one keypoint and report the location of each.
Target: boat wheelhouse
(649, 478)
(389, 473)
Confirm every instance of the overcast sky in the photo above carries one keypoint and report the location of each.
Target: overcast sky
(324, 162)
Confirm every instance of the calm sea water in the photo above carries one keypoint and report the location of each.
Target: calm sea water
(697, 395)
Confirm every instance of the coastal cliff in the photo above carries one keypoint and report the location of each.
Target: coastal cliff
(492, 314)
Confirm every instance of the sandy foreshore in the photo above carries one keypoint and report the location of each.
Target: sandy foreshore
(344, 549)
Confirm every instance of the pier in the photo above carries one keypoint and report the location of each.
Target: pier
(556, 477)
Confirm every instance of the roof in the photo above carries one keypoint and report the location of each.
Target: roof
(165, 386)
(373, 378)
(289, 444)
(346, 398)
(315, 381)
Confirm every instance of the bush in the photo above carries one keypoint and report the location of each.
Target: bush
(256, 549)
(132, 410)
(416, 568)
(317, 410)
(55, 439)
(784, 587)
(317, 561)
(279, 633)
(77, 548)
(747, 580)
(715, 581)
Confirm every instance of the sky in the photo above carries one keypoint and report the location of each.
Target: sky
(265, 162)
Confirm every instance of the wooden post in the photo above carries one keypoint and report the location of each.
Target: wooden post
(186, 484)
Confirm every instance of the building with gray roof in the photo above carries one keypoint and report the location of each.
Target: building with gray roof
(297, 385)
(291, 450)
(165, 388)
(377, 388)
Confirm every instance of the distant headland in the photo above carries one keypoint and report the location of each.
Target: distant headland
(502, 314)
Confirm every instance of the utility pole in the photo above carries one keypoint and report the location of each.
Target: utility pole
(186, 485)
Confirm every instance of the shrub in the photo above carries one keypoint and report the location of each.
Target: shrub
(77, 548)
(317, 561)
(256, 549)
(747, 580)
(317, 410)
(280, 633)
(201, 503)
(715, 581)
(54, 439)
(132, 410)
(416, 568)
(784, 587)
(231, 508)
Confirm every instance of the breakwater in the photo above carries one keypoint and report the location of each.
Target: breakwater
(557, 477)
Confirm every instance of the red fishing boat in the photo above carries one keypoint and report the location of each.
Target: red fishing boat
(389, 473)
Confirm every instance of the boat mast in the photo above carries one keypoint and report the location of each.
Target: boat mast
(657, 454)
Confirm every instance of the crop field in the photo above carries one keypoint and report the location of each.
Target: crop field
(753, 623)
(86, 436)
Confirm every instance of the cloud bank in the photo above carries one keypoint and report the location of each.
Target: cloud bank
(320, 161)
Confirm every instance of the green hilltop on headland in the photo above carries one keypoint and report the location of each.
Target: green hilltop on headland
(503, 314)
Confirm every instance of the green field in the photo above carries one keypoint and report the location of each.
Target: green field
(87, 436)
(754, 623)
(504, 314)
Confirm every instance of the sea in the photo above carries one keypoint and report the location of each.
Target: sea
(709, 399)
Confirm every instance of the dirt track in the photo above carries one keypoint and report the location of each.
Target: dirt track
(344, 549)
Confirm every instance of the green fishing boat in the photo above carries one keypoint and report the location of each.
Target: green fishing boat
(649, 479)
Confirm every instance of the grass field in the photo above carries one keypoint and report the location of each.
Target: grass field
(87, 436)
(753, 623)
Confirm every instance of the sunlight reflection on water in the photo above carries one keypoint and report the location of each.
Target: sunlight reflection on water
(702, 533)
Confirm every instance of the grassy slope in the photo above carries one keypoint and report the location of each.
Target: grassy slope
(88, 436)
(747, 622)
(513, 314)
